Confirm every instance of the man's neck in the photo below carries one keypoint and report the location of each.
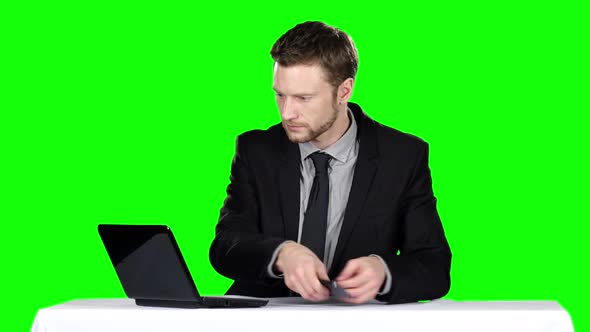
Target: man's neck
(340, 127)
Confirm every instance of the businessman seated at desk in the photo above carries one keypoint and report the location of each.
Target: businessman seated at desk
(329, 193)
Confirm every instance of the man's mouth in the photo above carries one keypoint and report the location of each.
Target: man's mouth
(295, 126)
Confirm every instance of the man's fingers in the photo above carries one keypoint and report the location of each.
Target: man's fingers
(361, 278)
(356, 280)
(322, 274)
(313, 292)
(366, 290)
(320, 292)
(293, 284)
(308, 284)
(349, 270)
(359, 281)
(296, 281)
(304, 280)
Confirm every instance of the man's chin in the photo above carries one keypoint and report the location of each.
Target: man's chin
(298, 137)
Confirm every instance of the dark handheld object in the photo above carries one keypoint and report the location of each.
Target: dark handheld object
(335, 289)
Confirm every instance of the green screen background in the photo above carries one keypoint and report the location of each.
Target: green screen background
(128, 113)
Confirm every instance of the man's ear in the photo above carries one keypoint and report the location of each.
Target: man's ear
(345, 91)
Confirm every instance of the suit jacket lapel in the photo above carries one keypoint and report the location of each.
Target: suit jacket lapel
(289, 177)
(364, 173)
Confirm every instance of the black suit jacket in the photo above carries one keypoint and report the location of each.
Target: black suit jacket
(391, 212)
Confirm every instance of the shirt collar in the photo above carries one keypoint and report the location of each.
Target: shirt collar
(339, 150)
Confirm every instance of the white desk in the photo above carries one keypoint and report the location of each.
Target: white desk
(296, 315)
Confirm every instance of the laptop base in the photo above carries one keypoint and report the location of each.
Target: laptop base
(205, 302)
(169, 303)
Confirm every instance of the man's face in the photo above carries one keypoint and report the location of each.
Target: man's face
(306, 102)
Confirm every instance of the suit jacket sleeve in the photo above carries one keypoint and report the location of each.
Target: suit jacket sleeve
(240, 250)
(421, 270)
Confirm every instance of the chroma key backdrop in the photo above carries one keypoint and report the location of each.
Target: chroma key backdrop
(120, 112)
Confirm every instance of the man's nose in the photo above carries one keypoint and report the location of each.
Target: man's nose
(288, 111)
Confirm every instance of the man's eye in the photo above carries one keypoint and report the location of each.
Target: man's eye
(304, 98)
(279, 95)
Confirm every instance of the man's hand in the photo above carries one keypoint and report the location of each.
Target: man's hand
(302, 271)
(361, 278)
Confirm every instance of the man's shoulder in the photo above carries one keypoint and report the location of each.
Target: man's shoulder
(393, 139)
(263, 138)
(274, 132)
(389, 139)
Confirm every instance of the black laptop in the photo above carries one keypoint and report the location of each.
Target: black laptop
(153, 272)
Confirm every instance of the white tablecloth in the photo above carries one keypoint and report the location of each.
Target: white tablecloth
(296, 315)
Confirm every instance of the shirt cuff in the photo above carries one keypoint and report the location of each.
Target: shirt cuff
(387, 285)
(273, 260)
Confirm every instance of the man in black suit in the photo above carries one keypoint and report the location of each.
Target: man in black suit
(329, 194)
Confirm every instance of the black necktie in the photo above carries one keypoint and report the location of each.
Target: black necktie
(315, 222)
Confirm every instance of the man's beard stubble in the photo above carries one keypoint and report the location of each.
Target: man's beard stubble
(314, 133)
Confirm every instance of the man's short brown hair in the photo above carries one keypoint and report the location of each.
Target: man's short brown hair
(317, 42)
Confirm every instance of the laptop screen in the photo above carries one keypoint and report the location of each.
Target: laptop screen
(148, 262)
